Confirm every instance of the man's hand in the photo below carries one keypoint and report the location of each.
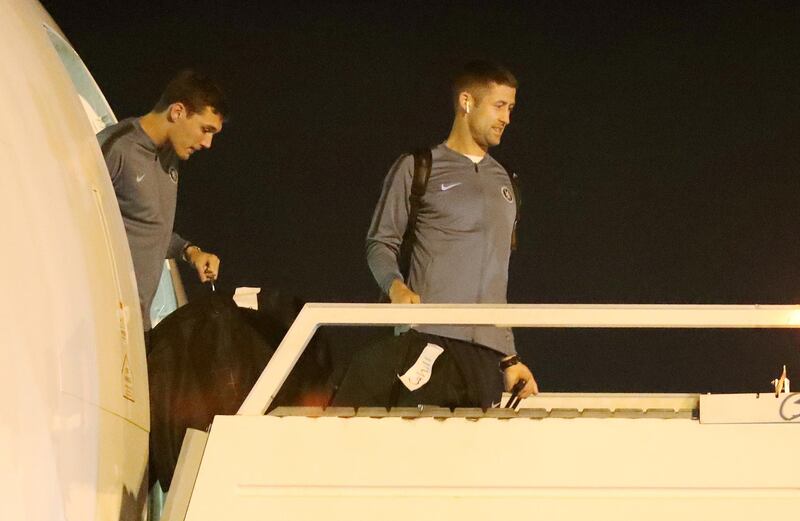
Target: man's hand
(206, 264)
(399, 293)
(518, 372)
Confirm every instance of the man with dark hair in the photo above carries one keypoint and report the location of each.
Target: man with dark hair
(142, 156)
(462, 235)
(195, 91)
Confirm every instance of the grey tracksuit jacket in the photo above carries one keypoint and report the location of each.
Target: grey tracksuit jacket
(145, 179)
(463, 238)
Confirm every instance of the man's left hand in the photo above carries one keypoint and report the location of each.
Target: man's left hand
(206, 264)
(518, 372)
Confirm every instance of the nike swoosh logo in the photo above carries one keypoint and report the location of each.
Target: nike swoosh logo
(448, 187)
(139, 178)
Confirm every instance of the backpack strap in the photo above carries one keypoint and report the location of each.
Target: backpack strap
(419, 183)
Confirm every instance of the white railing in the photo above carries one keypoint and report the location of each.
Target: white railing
(313, 316)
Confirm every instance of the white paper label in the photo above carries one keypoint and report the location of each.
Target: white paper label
(246, 297)
(419, 373)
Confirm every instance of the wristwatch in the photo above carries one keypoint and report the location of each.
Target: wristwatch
(508, 362)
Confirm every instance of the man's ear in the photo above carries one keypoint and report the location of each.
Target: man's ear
(466, 102)
(176, 111)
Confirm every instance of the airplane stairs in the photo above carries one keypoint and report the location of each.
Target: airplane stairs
(559, 456)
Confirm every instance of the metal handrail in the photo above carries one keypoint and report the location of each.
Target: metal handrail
(312, 316)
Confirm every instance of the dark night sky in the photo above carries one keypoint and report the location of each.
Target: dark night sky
(657, 144)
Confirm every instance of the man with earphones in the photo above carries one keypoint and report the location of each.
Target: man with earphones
(462, 238)
(142, 156)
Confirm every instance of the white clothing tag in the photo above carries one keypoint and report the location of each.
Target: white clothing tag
(246, 297)
(419, 373)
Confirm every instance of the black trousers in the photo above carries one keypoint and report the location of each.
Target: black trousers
(464, 375)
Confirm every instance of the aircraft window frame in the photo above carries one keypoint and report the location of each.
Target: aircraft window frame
(94, 103)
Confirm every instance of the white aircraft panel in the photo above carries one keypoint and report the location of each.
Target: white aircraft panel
(73, 382)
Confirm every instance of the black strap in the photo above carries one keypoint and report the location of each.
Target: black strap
(514, 399)
(419, 183)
